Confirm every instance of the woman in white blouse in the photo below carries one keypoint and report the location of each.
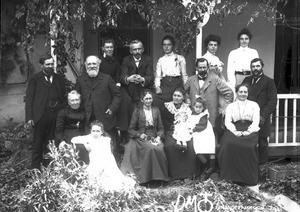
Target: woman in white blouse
(238, 65)
(212, 43)
(170, 73)
(238, 155)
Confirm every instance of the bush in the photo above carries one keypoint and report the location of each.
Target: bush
(65, 186)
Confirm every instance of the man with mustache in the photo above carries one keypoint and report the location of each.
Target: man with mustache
(208, 86)
(100, 96)
(136, 72)
(263, 91)
(111, 66)
(45, 96)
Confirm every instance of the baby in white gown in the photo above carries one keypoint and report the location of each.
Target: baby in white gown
(103, 169)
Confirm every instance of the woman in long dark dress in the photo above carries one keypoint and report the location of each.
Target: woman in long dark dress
(70, 120)
(238, 156)
(144, 154)
(182, 164)
(70, 123)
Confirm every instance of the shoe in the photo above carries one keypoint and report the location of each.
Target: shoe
(208, 172)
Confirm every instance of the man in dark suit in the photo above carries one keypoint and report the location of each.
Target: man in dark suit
(111, 66)
(100, 96)
(45, 96)
(263, 91)
(137, 71)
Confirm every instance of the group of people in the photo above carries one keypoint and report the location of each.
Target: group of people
(169, 122)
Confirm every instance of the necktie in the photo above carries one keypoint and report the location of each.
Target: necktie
(48, 78)
(255, 80)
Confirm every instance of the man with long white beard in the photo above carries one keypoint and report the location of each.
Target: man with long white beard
(100, 96)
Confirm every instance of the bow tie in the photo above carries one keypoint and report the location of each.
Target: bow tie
(202, 78)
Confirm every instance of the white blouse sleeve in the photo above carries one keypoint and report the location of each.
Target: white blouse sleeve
(255, 118)
(158, 73)
(231, 69)
(228, 118)
(182, 64)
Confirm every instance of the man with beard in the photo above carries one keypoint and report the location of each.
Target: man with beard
(45, 96)
(100, 96)
(207, 85)
(263, 91)
(137, 72)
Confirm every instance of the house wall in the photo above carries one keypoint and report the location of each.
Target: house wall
(12, 93)
(263, 39)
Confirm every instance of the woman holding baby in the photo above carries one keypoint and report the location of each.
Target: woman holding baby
(182, 160)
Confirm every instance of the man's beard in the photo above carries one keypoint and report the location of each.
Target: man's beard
(202, 74)
(92, 72)
(49, 71)
(256, 72)
(137, 56)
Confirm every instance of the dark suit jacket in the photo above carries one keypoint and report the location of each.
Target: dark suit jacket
(111, 67)
(264, 93)
(138, 123)
(100, 96)
(145, 69)
(37, 94)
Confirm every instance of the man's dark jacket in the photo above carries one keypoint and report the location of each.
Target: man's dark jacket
(99, 95)
(145, 69)
(37, 94)
(264, 93)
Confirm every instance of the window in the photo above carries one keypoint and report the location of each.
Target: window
(130, 26)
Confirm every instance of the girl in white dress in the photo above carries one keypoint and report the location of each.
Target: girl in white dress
(203, 134)
(103, 169)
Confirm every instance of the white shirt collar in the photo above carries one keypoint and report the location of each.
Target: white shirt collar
(137, 60)
(170, 54)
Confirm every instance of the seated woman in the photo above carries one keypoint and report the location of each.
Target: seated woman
(144, 154)
(70, 123)
(182, 164)
(103, 168)
(238, 155)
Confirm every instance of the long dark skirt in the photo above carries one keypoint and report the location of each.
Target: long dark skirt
(71, 133)
(181, 164)
(125, 111)
(147, 161)
(238, 156)
(168, 86)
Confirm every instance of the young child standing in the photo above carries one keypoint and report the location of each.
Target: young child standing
(203, 135)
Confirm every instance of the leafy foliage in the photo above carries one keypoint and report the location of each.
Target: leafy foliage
(65, 186)
(32, 18)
